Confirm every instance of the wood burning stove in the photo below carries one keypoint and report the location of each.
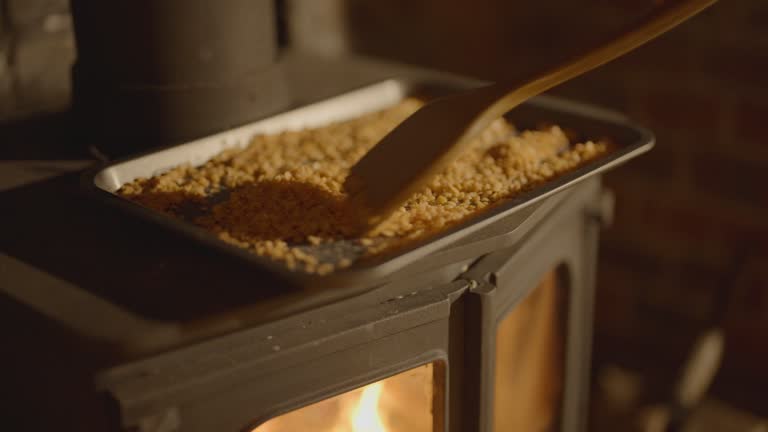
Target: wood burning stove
(115, 323)
(476, 345)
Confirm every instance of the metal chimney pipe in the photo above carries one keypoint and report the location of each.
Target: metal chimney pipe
(156, 72)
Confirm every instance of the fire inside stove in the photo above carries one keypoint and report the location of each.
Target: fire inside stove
(402, 402)
(528, 375)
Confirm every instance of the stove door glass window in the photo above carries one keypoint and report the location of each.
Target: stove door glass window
(402, 402)
(529, 360)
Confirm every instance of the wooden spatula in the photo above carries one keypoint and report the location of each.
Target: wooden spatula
(425, 143)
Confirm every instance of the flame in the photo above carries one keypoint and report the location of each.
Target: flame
(401, 402)
(365, 417)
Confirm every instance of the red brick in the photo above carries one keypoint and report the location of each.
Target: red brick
(615, 299)
(691, 222)
(608, 87)
(733, 21)
(739, 66)
(674, 53)
(733, 180)
(669, 161)
(746, 322)
(672, 230)
(673, 287)
(655, 242)
(751, 123)
(750, 291)
(694, 290)
(628, 8)
(622, 276)
(642, 191)
(697, 114)
(756, 18)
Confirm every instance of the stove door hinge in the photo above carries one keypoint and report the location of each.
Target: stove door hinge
(481, 286)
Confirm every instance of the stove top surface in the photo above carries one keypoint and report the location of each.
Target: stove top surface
(61, 246)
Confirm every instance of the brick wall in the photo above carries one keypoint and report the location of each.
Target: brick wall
(689, 213)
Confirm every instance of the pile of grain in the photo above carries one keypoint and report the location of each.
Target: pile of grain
(282, 195)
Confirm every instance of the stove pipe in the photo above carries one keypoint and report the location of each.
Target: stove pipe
(158, 72)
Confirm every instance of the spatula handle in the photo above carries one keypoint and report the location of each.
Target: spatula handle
(659, 21)
(428, 141)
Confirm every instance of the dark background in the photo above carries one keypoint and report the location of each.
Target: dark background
(690, 239)
(691, 216)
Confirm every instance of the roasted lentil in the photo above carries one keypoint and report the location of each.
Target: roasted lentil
(281, 196)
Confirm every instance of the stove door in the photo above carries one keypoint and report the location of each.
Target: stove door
(534, 301)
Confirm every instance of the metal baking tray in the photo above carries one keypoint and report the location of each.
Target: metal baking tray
(589, 122)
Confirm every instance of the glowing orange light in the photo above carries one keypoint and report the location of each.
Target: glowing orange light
(365, 417)
(401, 402)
